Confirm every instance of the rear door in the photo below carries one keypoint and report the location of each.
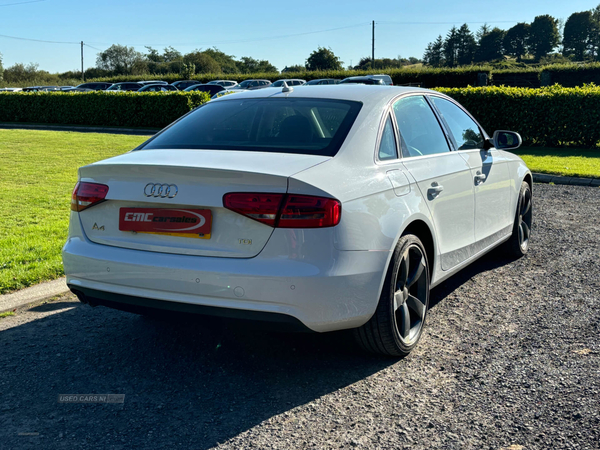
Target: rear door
(443, 177)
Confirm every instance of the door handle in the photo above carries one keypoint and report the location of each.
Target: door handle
(480, 177)
(434, 190)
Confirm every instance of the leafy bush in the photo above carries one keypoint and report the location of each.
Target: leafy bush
(125, 109)
(548, 116)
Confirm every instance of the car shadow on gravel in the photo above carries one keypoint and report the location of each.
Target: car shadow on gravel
(493, 260)
(194, 382)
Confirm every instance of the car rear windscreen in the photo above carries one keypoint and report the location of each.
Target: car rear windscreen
(282, 125)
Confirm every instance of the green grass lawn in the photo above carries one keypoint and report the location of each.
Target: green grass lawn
(562, 161)
(38, 170)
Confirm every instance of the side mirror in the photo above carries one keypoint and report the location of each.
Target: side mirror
(506, 140)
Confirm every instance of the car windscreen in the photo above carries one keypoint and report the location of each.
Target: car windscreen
(281, 125)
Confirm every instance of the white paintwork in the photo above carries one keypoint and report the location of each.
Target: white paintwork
(327, 278)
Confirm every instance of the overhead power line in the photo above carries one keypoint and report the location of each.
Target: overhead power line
(266, 38)
(87, 45)
(443, 23)
(37, 40)
(22, 3)
(283, 36)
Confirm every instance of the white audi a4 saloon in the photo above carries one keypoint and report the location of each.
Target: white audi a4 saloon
(331, 208)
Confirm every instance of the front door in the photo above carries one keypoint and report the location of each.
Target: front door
(490, 174)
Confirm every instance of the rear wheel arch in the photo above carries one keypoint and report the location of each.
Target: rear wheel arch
(528, 179)
(421, 230)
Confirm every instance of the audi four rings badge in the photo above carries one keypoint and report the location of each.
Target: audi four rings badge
(160, 190)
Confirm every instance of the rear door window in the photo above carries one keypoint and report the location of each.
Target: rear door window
(419, 128)
(387, 145)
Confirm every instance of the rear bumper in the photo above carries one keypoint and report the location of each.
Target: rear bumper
(323, 288)
(148, 306)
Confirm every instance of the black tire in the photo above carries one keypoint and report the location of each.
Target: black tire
(518, 244)
(397, 325)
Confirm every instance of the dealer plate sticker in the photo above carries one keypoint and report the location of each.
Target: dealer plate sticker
(174, 222)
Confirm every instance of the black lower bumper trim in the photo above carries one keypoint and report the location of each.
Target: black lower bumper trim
(141, 305)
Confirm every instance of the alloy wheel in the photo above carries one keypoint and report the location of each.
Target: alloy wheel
(525, 216)
(410, 295)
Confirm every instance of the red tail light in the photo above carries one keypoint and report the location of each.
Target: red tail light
(87, 194)
(286, 210)
(261, 207)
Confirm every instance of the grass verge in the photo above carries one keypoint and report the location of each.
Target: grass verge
(562, 161)
(37, 175)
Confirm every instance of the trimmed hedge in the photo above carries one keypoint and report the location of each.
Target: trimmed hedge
(126, 109)
(548, 116)
(573, 75)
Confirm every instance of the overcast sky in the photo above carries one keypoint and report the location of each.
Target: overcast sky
(275, 31)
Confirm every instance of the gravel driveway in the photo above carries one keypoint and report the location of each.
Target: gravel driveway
(509, 359)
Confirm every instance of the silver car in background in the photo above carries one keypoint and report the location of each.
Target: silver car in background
(327, 209)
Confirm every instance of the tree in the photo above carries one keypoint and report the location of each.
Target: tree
(251, 65)
(490, 45)
(323, 59)
(451, 47)
(580, 35)
(121, 60)
(366, 63)
(465, 45)
(227, 63)
(294, 68)
(188, 70)
(1, 69)
(203, 62)
(544, 36)
(434, 53)
(21, 73)
(483, 30)
(153, 55)
(516, 40)
(596, 39)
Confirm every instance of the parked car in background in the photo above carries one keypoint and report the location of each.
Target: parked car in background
(320, 81)
(243, 208)
(227, 92)
(66, 88)
(212, 89)
(144, 83)
(369, 79)
(289, 81)
(91, 86)
(10, 89)
(125, 86)
(184, 84)
(252, 84)
(158, 88)
(224, 83)
(41, 88)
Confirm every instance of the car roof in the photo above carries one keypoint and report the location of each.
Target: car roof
(353, 92)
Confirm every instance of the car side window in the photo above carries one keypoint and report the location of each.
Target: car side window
(419, 128)
(387, 145)
(465, 131)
